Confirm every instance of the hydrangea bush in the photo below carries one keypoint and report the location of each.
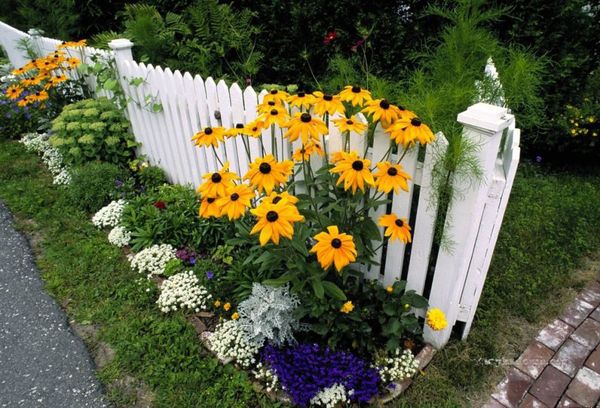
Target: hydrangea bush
(93, 129)
(183, 291)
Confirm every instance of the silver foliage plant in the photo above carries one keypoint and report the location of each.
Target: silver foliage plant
(267, 315)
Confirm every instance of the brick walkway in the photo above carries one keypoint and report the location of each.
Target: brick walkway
(561, 367)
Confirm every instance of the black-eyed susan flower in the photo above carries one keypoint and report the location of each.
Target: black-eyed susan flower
(266, 106)
(436, 319)
(72, 62)
(304, 153)
(356, 95)
(326, 103)
(301, 100)
(209, 208)
(71, 44)
(235, 201)
(334, 248)
(276, 96)
(395, 228)
(18, 71)
(307, 127)
(254, 128)
(234, 131)
(354, 172)
(338, 156)
(265, 173)
(275, 197)
(13, 91)
(351, 124)
(38, 96)
(46, 64)
(216, 184)
(390, 177)
(347, 307)
(275, 220)
(209, 136)
(24, 102)
(277, 115)
(382, 110)
(406, 131)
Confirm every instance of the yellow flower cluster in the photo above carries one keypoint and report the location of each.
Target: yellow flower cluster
(436, 319)
(580, 123)
(40, 75)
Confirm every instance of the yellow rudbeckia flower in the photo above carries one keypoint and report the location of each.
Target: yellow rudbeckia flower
(396, 228)
(209, 208)
(356, 95)
(209, 136)
(382, 110)
(276, 115)
(236, 201)
(275, 221)
(326, 103)
(334, 248)
(216, 184)
(406, 131)
(351, 124)
(275, 197)
(307, 127)
(354, 172)
(304, 153)
(254, 128)
(276, 96)
(302, 100)
(390, 177)
(266, 173)
(13, 91)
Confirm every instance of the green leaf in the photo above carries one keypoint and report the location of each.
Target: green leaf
(333, 291)
(390, 309)
(282, 280)
(318, 288)
(110, 84)
(392, 344)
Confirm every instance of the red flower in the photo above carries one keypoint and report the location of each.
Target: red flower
(160, 205)
(357, 44)
(332, 35)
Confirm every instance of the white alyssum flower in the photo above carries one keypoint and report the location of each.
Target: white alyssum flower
(152, 260)
(119, 236)
(398, 367)
(266, 376)
(229, 341)
(183, 291)
(329, 397)
(110, 215)
(51, 156)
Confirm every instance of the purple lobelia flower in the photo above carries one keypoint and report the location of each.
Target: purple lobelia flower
(210, 274)
(306, 369)
(186, 255)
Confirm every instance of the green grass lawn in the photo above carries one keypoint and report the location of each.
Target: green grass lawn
(550, 226)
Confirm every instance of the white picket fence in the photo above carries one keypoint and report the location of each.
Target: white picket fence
(191, 103)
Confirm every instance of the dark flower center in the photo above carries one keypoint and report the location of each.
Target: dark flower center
(349, 122)
(239, 126)
(208, 131)
(264, 168)
(210, 200)
(274, 112)
(271, 103)
(301, 94)
(336, 243)
(273, 91)
(415, 122)
(392, 171)
(384, 104)
(399, 223)
(356, 89)
(254, 129)
(216, 178)
(235, 196)
(328, 97)
(401, 107)
(276, 200)
(37, 94)
(357, 165)
(272, 216)
(305, 117)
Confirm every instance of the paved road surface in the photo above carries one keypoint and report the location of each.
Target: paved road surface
(42, 363)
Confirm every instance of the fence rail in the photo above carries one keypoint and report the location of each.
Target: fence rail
(190, 103)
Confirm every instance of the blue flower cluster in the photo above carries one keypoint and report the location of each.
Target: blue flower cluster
(305, 369)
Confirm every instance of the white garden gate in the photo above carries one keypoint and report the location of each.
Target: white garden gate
(454, 283)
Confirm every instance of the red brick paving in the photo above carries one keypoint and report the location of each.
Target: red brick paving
(561, 367)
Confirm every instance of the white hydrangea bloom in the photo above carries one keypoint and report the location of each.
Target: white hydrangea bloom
(398, 367)
(119, 236)
(153, 260)
(229, 341)
(110, 215)
(329, 397)
(266, 376)
(183, 291)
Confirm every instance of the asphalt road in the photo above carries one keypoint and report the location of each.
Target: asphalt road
(42, 363)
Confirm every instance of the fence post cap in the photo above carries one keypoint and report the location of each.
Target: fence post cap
(488, 118)
(120, 44)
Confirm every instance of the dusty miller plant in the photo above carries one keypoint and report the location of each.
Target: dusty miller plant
(268, 314)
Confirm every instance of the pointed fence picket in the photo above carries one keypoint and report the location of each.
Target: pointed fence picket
(452, 278)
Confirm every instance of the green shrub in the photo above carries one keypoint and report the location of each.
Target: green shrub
(151, 178)
(93, 185)
(93, 129)
(170, 216)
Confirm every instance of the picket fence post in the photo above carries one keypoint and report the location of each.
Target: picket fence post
(483, 126)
